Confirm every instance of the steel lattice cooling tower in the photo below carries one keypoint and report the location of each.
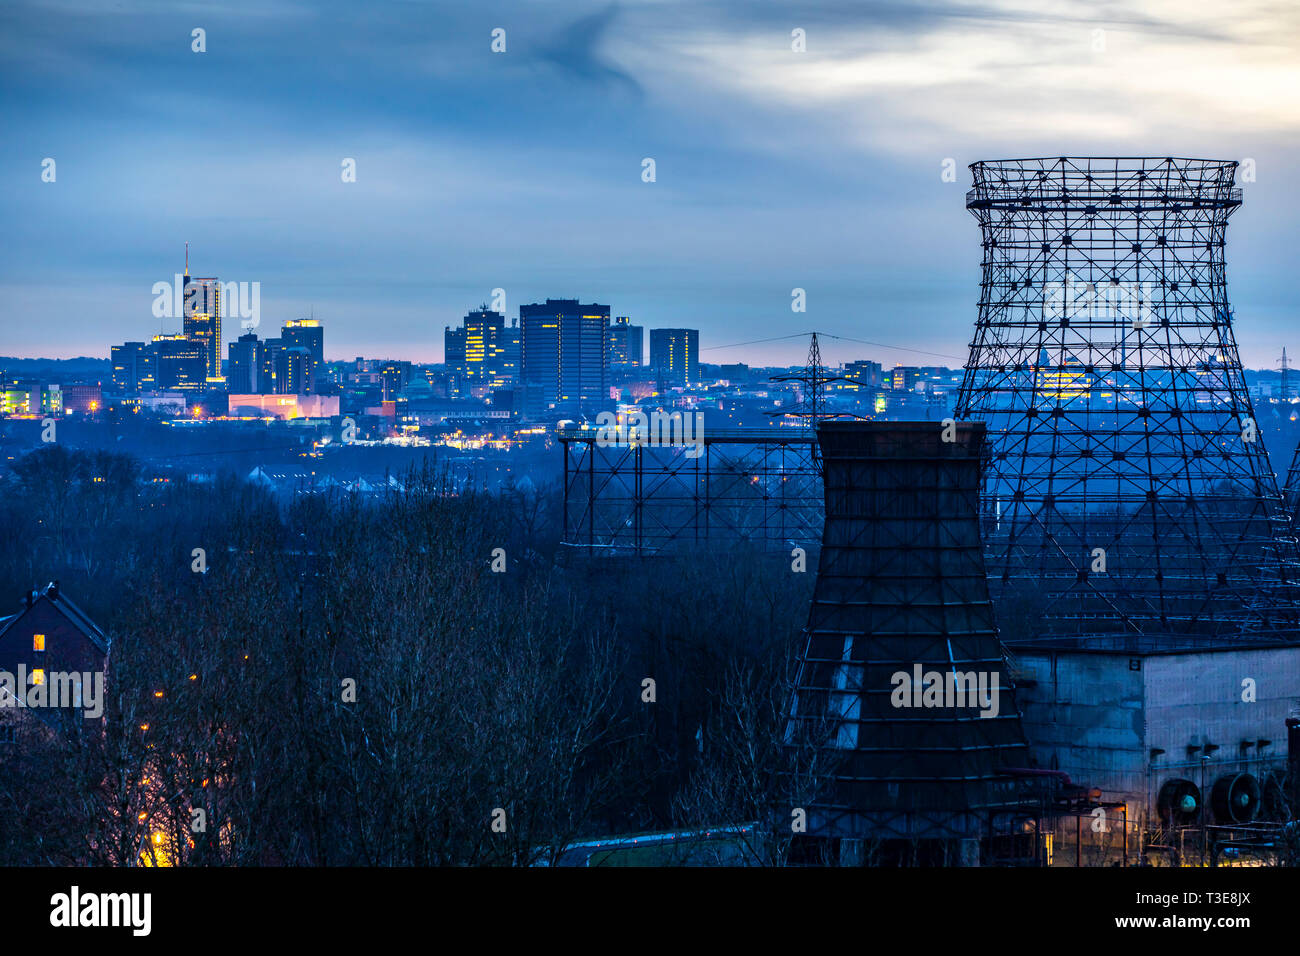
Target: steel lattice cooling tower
(1128, 500)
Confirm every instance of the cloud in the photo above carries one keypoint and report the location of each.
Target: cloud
(577, 52)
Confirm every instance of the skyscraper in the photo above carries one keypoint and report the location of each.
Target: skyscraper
(246, 365)
(307, 334)
(675, 355)
(201, 321)
(179, 362)
(286, 368)
(483, 354)
(564, 356)
(132, 368)
(626, 344)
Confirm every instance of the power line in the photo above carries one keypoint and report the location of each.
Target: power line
(831, 335)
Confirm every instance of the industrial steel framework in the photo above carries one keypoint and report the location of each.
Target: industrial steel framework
(1291, 487)
(1129, 500)
(901, 590)
(752, 485)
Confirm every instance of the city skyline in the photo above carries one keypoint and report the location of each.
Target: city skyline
(839, 170)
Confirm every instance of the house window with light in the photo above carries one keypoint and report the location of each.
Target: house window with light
(38, 642)
(38, 675)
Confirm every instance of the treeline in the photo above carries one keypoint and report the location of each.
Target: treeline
(419, 678)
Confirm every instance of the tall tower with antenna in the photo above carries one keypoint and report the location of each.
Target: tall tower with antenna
(1128, 501)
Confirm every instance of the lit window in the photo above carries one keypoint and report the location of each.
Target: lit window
(38, 676)
(38, 642)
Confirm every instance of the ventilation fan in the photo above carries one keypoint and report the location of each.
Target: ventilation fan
(1179, 802)
(1235, 798)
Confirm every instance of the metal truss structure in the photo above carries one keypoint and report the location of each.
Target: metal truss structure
(1128, 500)
(1291, 487)
(752, 485)
(901, 589)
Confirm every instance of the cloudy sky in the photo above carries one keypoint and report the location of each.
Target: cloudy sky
(522, 170)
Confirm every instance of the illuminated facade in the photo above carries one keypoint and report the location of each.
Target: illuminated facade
(483, 354)
(283, 406)
(309, 335)
(201, 322)
(132, 368)
(179, 363)
(626, 344)
(564, 356)
(675, 355)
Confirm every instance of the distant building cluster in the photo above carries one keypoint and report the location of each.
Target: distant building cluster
(557, 359)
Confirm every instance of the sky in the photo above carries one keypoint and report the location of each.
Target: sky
(522, 170)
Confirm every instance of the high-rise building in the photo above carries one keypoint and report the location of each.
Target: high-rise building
(307, 334)
(244, 376)
(483, 354)
(179, 363)
(394, 377)
(626, 344)
(201, 321)
(564, 356)
(132, 368)
(286, 368)
(675, 355)
(453, 348)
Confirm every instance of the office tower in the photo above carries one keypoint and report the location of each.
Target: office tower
(675, 355)
(201, 321)
(453, 348)
(132, 368)
(1130, 503)
(626, 344)
(564, 356)
(307, 334)
(483, 354)
(393, 379)
(286, 368)
(246, 361)
(180, 363)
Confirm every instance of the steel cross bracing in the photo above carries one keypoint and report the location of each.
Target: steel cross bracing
(1291, 486)
(758, 486)
(1129, 498)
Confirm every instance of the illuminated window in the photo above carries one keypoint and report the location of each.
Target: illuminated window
(38, 642)
(38, 676)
